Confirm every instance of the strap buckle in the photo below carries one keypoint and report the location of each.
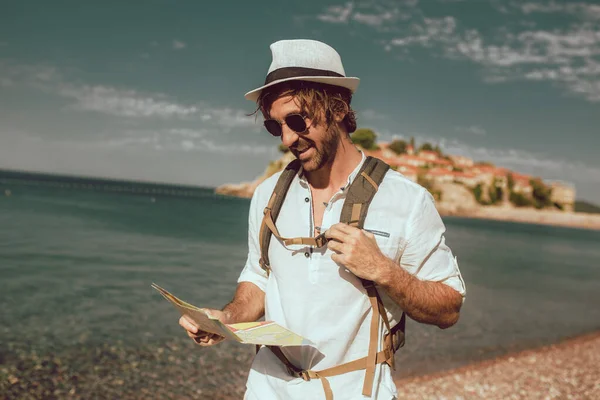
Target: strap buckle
(296, 373)
(321, 240)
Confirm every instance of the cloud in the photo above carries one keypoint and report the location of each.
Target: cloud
(566, 56)
(381, 15)
(185, 139)
(120, 102)
(229, 118)
(123, 103)
(473, 129)
(583, 10)
(32, 74)
(371, 114)
(337, 14)
(178, 45)
(432, 30)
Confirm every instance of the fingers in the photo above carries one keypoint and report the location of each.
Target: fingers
(340, 232)
(335, 246)
(200, 337)
(206, 339)
(188, 324)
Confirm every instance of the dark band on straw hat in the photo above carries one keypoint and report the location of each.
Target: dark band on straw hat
(292, 72)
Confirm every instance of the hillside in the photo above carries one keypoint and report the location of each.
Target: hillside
(585, 207)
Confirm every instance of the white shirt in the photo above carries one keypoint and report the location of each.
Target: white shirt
(312, 296)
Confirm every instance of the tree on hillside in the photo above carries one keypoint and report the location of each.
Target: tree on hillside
(283, 148)
(412, 143)
(510, 182)
(398, 146)
(427, 184)
(495, 191)
(478, 194)
(438, 150)
(541, 193)
(426, 147)
(519, 200)
(365, 138)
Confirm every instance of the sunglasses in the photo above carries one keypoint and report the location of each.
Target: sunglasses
(295, 122)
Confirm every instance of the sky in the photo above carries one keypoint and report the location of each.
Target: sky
(153, 90)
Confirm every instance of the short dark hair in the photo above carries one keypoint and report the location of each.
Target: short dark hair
(316, 99)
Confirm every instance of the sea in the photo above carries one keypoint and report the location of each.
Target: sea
(78, 315)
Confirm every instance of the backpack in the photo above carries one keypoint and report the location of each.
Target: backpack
(354, 211)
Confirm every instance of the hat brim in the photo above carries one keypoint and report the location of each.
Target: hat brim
(346, 82)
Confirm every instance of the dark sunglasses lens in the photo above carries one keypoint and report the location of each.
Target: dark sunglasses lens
(296, 123)
(273, 127)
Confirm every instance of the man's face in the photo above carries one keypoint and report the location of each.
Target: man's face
(315, 147)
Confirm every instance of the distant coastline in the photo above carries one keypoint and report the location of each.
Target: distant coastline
(458, 202)
(9, 179)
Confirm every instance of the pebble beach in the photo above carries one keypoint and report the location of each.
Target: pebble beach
(568, 370)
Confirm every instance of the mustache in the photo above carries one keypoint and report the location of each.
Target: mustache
(301, 145)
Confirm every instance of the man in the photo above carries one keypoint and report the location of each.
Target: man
(318, 292)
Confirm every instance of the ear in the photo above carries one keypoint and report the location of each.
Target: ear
(340, 115)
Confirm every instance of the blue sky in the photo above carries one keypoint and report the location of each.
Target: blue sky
(153, 90)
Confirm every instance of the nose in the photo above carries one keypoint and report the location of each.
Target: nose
(288, 136)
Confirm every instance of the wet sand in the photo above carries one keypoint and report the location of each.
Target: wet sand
(567, 370)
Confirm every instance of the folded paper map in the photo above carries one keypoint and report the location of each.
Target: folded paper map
(263, 333)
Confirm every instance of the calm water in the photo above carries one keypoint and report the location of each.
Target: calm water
(76, 269)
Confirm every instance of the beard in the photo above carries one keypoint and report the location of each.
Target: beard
(322, 154)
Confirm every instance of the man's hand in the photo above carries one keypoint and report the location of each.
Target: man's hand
(200, 337)
(358, 251)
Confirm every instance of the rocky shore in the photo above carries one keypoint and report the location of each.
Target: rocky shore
(568, 370)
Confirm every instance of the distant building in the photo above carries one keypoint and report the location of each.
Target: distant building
(563, 194)
(440, 175)
(522, 184)
(462, 162)
(415, 161)
(429, 155)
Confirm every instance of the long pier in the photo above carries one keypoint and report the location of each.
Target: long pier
(17, 178)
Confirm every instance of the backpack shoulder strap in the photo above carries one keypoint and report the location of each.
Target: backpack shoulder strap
(354, 212)
(274, 206)
(362, 190)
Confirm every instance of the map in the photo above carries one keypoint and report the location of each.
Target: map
(266, 333)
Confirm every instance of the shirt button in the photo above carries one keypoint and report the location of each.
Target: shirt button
(306, 254)
(306, 199)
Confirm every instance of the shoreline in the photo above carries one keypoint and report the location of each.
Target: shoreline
(566, 369)
(528, 216)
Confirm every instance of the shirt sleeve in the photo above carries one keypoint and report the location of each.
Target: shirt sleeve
(426, 254)
(252, 271)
